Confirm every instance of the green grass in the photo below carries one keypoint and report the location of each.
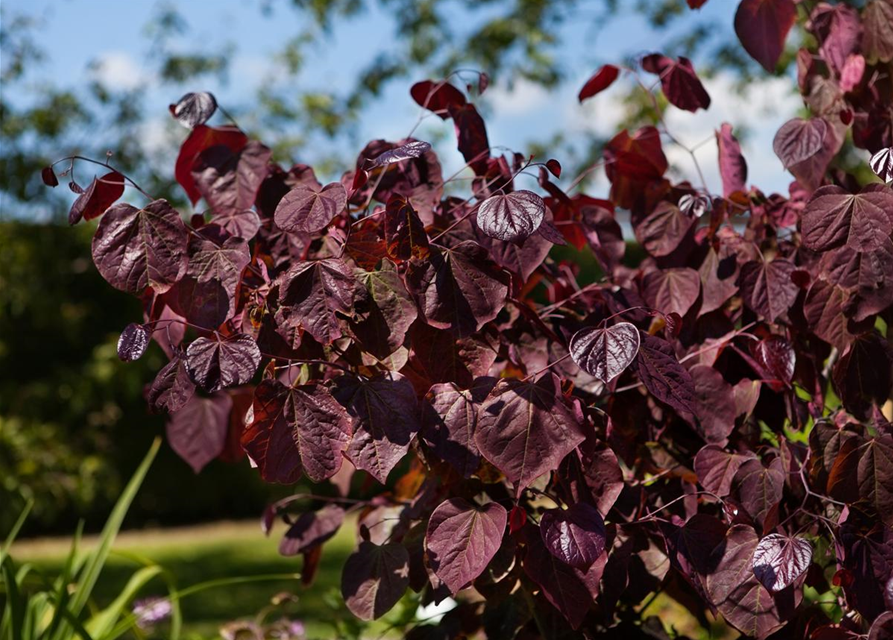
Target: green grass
(222, 550)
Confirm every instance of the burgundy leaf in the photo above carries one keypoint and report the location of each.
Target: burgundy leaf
(194, 109)
(877, 40)
(133, 342)
(779, 560)
(98, 197)
(554, 167)
(312, 293)
(203, 137)
(307, 209)
(716, 468)
(49, 177)
(760, 487)
(197, 432)
(863, 375)
(679, 82)
(824, 310)
(295, 430)
(385, 417)
(311, 529)
(414, 149)
(388, 311)
(600, 80)
(575, 536)
(449, 422)
(605, 353)
(404, 231)
(229, 180)
(672, 290)
(138, 248)
(798, 140)
(719, 278)
(220, 263)
(663, 376)
(511, 217)
(526, 428)
(715, 402)
(461, 540)
(633, 164)
(241, 224)
(767, 287)
(663, 230)
(471, 133)
(762, 27)
(882, 164)
(216, 363)
(437, 96)
(732, 166)
(776, 355)
(839, 29)
(439, 356)
(522, 260)
(458, 288)
(834, 217)
(171, 388)
(374, 579)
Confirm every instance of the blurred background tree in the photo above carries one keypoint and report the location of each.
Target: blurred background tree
(72, 419)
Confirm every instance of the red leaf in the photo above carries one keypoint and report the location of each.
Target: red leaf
(679, 82)
(798, 140)
(767, 287)
(49, 177)
(404, 232)
(663, 376)
(834, 217)
(600, 80)
(229, 180)
(201, 138)
(439, 97)
(449, 422)
(732, 166)
(311, 530)
(762, 27)
(672, 290)
(98, 197)
(307, 209)
(471, 133)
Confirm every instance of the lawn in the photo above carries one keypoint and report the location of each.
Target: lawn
(208, 552)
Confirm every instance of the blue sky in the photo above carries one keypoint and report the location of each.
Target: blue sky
(110, 34)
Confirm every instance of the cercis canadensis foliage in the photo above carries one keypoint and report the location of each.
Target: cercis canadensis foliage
(711, 422)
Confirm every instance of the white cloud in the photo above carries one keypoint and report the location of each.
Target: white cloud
(118, 69)
(522, 98)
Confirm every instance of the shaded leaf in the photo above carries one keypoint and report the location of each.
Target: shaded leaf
(798, 140)
(374, 579)
(716, 468)
(863, 375)
(203, 137)
(760, 487)
(679, 82)
(664, 229)
(576, 536)
(767, 287)
(672, 290)
(762, 27)
(732, 165)
(97, 198)
(229, 180)
(172, 387)
(311, 529)
(387, 311)
(437, 96)
(449, 422)
(403, 231)
(49, 177)
(197, 432)
(663, 376)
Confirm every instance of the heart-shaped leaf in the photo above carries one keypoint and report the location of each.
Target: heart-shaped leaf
(605, 353)
(679, 82)
(449, 422)
(133, 342)
(779, 560)
(197, 432)
(138, 248)
(194, 109)
(672, 290)
(308, 209)
(798, 140)
(311, 529)
(512, 217)
(716, 468)
(834, 217)
(762, 27)
(204, 137)
(374, 579)
(216, 363)
(767, 287)
(461, 540)
(526, 428)
(575, 536)
(403, 230)
(882, 164)
(388, 313)
(229, 180)
(663, 376)
(760, 487)
(172, 387)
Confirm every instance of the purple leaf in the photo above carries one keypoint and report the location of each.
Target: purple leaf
(133, 342)
(240, 224)
(437, 96)
(679, 82)
(295, 430)
(600, 80)
(197, 432)
(49, 177)
(833, 217)
(732, 165)
(216, 363)
(512, 217)
(716, 468)
(403, 231)
(98, 197)
(672, 290)
(374, 579)
(882, 164)
(461, 540)
(309, 209)
(779, 560)
(171, 388)
(229, 180)
(877, 41)
(776, 355)
(663, 376)
(767, 287)
(388, 311)
(760, 488)
(862, 375)
(716, 403)
(663, 230)
(798, 140)
(471, 135)
(138, 248)
(605, 353)
(414, 149)
(385, 417)
(311, 529)
(526, 428)
(194, 109)
(449, 422)
(575, 536)
(762, 27)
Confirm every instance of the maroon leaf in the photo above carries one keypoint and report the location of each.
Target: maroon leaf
(197, 432)
(201, 138)
(458, 288)
(732, 166)
(664, 229)
(760, 487)
(839, 30)
(882, 164)
(679, 82)
(605, 353)
(554, 167)
(762, 27)
(138, 248)
(834, 217)
(471, 134)
(779, 560)
(767, 287)
(403, 230)
(672, 290)
(308, 209)
(449, 422)
(511, 217)
(312, 293)
(98, 197)
(526, 428)
(388, 311)
(437, 96)
(877, 41)
(719, 278)
(374, 579)
(716, 468)
(311, 529)
(385, 417)
(229, 180)
(715, 402)
(240, 224)
(133, 342)
(694, 204)
(461, 540)
(295, 430)
(414, 149)
(776, 355)
(863, 375)
(575, 536)
(661, 373)
(220, 264)
(49, 177)
(216, 363)
(600, 80)
(171, 388)
(798, 140)
(194, 109)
